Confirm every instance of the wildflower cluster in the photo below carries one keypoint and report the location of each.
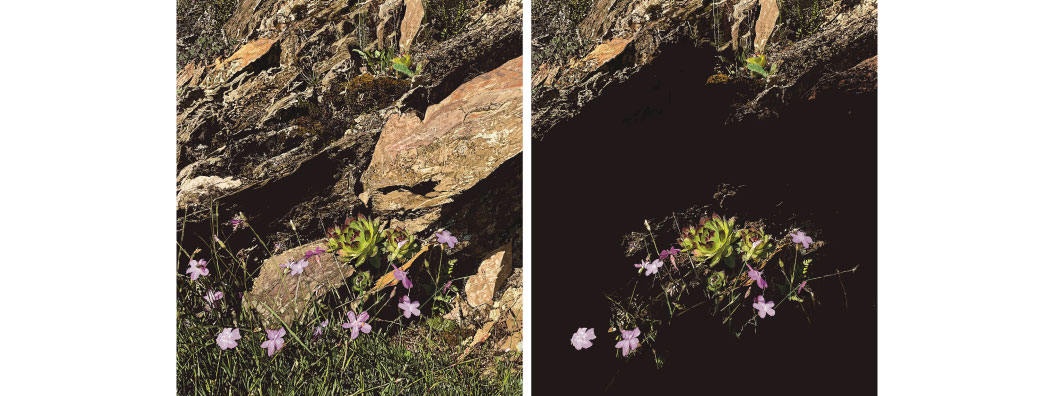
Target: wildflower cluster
(357, 241)
(737, 272)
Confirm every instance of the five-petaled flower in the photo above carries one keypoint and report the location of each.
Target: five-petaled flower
(400, 275)
(799, 237)
(629, 341)
(227, 339)
(358, 323)
(649, 268)
(211, 297)
(672, 254)
(583, 338)
(274, 341)
(409, 308)
(445, 237)
(318, 329)
(756, 276)
(764, 308)
(295, 268)
(316, 252)
(197, 268)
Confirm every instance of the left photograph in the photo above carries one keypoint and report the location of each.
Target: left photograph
(349, 197)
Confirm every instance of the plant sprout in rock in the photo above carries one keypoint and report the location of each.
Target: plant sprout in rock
(403, 64)
(356, 241)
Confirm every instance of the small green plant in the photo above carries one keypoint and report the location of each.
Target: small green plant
(711, 240)
(377, 61)
(399, 244)
(804, 17)
(447, 17)
(754, 244)
(758, 64)
(403, 64)
(356, 242)
(716, 281)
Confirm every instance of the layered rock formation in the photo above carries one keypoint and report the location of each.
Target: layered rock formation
(291, 129)
(624, 36)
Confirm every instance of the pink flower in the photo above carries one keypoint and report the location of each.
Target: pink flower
(227, 339)
(447, 286)
(672, 251)
(295, 268)
(197, 268)
(800, 238)
(801, 286)
(629, 341)
(358, 323)
(318, 329)
(238, 222)
(756, 276)
(274, 341)
(764, 308)
(409, 308)
(445, 237)
(649, 268)
(583, 338)
(316, 252)
(400, 275)
(212, 296)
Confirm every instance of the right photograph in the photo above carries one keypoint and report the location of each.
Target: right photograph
(704, 196)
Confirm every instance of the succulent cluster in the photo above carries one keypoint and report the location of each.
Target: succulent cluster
(754, 244)
(356, 241)
(399, 244)
(711, 240)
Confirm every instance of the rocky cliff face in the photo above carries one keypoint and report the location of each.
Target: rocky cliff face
(820, 49)
(295, 127)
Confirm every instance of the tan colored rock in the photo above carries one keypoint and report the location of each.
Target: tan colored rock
(493, 272)
(386, 26)
(602, 54)
(419, 165)
(246, 55)
(415, 13)
(770, 12)
(194, 190)
(289, 296)
(738, 14)
(482, 334)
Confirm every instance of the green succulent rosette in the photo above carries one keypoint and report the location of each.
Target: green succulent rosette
(399, 244)
(711, 240)
(356, 241)
(754, 244)
(716, 281)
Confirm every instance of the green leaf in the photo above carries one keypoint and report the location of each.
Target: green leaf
(756, 68)
(403, 69)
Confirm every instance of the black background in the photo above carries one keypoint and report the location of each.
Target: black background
(657, 144)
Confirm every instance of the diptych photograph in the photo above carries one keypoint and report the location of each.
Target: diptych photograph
(350, 196)
(526, 197)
